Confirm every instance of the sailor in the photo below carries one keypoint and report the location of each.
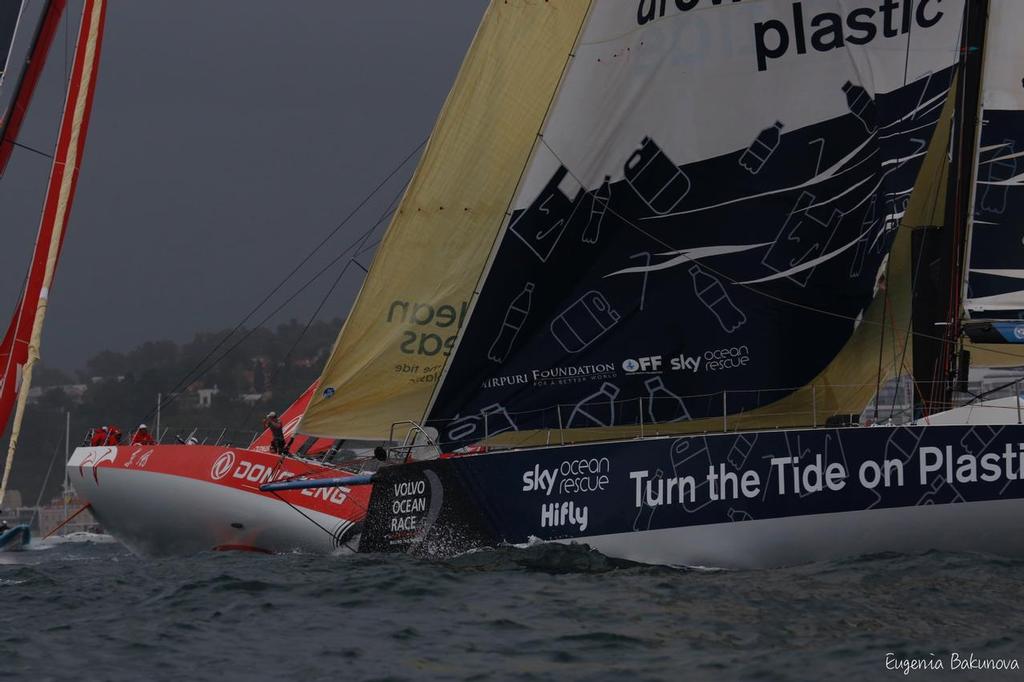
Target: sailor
(272, 423)
(113, 435)
(99, 436)
(142, 436)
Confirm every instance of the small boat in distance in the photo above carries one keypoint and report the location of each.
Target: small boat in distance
(15, 537)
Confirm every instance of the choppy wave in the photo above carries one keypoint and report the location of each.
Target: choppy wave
(94, 611)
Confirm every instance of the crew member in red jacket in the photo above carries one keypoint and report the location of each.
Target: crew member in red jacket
(142, 436)
(99, 436)
(113, 435)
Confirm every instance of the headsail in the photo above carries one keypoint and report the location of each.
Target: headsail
(56, 211)
(995, 283)
(694, 242)
(413, 302)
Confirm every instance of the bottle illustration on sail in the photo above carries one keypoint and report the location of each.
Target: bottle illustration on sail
(861, 105)
(762, 148)
(803, 237)
(584, 322)
(1000, 169)
(864, 243)
(662, 404)
(496, 419)
(712, 294)
(601, 196)
(515, 318)
(597, 409)
(541, 225)
(490, 421)
(655, 178)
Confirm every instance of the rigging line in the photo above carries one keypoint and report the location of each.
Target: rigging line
(15, 143)
(732, 280)
(309, 282)
(313, 521)
(302, 334)
(46, 479)
(291, 274)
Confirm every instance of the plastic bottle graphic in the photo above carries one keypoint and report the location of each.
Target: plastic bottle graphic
(582, 323)
(863, 244)
(738, 515)
(656, 178)
(712, 294)
(597, 409)
(662, 404)
(999, 170)
(515, 318)
(860, 104)
(602, 195)
(761, 149)
(497, 420)
(740, 451)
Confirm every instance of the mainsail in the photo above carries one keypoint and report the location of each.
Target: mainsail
(995, 282)
(21, 357)
(414, 300)
(707, 218)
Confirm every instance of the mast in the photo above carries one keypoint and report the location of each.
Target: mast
(939, 252)
(57, 207)
(10, 122)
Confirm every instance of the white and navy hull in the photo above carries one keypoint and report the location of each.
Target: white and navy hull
(717, 500)
(177, 499)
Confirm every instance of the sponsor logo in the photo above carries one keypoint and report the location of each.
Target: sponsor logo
(648, 364)
(585, 475)
(559, 514)
(410, 500)
(1018, 332)
(433, 327)
(329, 392)
(222, 465)
(709, 361)
(555, 376)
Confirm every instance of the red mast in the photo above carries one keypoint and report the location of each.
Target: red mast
(27, 324)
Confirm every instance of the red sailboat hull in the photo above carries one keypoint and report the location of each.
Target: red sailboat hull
(183, 499)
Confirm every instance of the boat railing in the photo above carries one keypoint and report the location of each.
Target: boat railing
(418, 442)
(603, 416)
(194, 435)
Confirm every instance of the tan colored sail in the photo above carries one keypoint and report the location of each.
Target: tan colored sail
(397, 337)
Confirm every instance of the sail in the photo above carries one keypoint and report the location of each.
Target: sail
(60, 192)
(14, 108)
(708, 217)
(414, 299)
(10, 14)
(995, 283)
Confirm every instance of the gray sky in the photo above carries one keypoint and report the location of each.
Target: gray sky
(227, 139)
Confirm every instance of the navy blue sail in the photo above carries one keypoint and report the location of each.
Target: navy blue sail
(995, 283)
(700, 242)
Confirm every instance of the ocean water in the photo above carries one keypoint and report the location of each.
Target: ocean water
(94, 611)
